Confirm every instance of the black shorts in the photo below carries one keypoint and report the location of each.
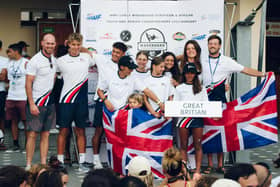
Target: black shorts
(190, 123)
(3, 96)
(98, 114)
(69, 112)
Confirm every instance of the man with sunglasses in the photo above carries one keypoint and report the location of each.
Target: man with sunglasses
(40, 113)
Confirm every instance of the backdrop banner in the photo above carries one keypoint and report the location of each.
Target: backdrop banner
(153, 26)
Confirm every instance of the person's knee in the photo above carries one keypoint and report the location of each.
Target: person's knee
(32, 135)
(80, 132)
(197, 145)
(63, 132)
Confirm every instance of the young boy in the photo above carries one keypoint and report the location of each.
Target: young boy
(135, 100)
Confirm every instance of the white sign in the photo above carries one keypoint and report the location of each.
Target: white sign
(193, 109)
(273, 29)
(152, 26)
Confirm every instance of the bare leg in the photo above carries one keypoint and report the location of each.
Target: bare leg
(81, 139)
(184, 134)
(30, 147)
(220, 159)
(96, 139)
(14, 125)
(61, 140)
(44, 146)
(197, 137)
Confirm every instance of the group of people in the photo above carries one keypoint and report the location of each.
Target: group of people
(121, 82)
(139, 175)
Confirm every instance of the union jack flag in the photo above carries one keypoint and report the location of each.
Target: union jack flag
(134, 132)
(248, 122)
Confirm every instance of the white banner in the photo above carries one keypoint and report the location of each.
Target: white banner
(193, 109)
(153, 26)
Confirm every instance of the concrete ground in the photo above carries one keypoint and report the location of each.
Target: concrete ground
(264, 154)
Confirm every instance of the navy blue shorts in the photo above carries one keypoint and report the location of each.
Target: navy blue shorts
(190, 123)
(69, 112)
(98, 114)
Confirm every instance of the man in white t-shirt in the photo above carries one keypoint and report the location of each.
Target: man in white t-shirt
(40, 112)
(16, 99)
(105, 67)
(3, 92)
(121, 85)
(73, 104)
(215, 70)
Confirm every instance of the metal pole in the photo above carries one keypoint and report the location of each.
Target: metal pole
(262, 34)
(74, 25)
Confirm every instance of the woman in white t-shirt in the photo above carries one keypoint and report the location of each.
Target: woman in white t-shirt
(160, 85)
(171, 68)
(191, 90)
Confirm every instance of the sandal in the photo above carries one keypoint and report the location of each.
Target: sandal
(220, 170)
(208, 170)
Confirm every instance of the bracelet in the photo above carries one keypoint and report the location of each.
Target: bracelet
(158, 102)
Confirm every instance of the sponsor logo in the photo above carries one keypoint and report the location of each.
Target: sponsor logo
(107, 52)
(199, 37)
(93, 17)
(153, 42)
(107, 36)
(179, 36)
(125, 35)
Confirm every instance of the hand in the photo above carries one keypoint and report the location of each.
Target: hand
(34, 110)
(174, 82)
(156, 114)
(227, 87)
(109, 105)
(196, 176)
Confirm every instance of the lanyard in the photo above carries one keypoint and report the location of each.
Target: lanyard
(15, 70)
(210, 67)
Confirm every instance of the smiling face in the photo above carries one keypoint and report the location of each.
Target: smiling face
(133, 103)
(169, 62)
(158, 69)
(75, 47)
(142, 61)
(214, 47)
(48, 44)
(191, 52)
(117, 54)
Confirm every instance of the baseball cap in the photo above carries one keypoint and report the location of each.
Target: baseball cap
(189, 67)
(139, 166)
(23, 44)
(225, 183)
(128, 62)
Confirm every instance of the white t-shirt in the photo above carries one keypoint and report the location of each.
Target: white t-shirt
(161, 87)
(184, 92)
(74, 70)
(40, 67)
(105, 67)
(3, 65)
(221, 68)
(119, 89)
(16, 76)
(140, 75)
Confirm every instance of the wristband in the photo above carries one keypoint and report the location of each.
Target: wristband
(158, 102)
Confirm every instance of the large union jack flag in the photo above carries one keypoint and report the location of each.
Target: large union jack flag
(248, 122)
(134, 132)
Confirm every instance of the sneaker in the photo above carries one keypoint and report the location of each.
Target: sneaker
(83, 168)
(3, 147)
(27, 168)
(97, 164)
(14, 149)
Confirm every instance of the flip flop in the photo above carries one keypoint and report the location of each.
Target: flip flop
(208, 170)
(220, 170)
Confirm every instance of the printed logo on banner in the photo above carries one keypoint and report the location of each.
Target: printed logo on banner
(198, 37)
(107, 52)
(107, 36)
(179, 36)
(125, 35)
(152, 40)
(93, 17)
